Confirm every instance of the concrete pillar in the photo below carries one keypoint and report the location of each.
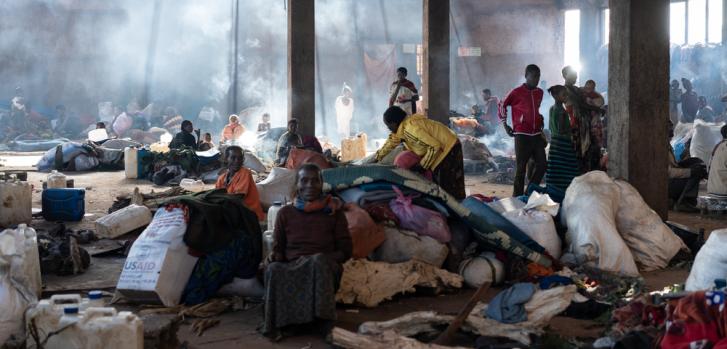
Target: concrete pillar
(301, 64)
(724, 23)
(724, 44)
(589, 41)
(436, 60)
(638, 96)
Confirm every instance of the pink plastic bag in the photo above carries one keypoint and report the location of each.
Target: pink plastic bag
(418, 219)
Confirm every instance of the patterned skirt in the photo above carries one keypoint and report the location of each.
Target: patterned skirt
(450, 173)
(300, 291)
(563, 163)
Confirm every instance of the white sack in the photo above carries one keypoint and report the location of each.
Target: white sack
(253, 162)
(683, 130)
(710, 263)
(651, 242)
(158, 265)
(480, 269)
(706, 136)
(539, 226)
(542, 202)
(403, 245)
(277, 187)
(506, 204)
(589, 211)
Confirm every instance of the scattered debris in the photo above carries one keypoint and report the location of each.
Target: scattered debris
(150, 200)
(201, 325)
(473, 149)
(388, 339)
(62, 255)
(542, 307)
(207, 309)
(370, 283)
(213, 307)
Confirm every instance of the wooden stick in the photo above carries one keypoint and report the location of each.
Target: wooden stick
(453, 327)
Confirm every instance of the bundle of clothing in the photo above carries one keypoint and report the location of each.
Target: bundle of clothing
(225, 234)
(376, 184)
(74, 156)
(171, 167)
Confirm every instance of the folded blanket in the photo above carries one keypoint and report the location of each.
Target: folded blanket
(348, 177)
(365, 198)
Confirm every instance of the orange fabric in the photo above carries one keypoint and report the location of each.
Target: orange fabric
(232, 131)
(366, 235)
(243, 183)
(298, 157)
(538, 270)
(466, 123)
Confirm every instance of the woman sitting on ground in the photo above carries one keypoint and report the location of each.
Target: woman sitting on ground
(238, 180)
(232, 270)
(233, 130)
(437, 146)
(288, 140)
(311, 242)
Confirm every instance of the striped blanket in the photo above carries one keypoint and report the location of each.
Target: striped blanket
(341, 178)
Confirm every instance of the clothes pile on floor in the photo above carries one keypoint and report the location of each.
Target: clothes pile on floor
(403, 216)
(679, 316)
(610, 235)
(74, 156)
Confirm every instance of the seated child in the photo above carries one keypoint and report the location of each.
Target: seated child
(264, 125)
(206, 143)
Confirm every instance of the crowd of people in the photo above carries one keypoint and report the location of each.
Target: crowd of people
(311, 237)
(144, 125)
(576, 132)
(687, 105)
(576, 135)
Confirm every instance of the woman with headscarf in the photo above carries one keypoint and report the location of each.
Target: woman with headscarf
(231, 270)
(234, 130)
(288, 140)
(563, 163)
(437, 146)
(586, 123)
(185, 138)
(311, 243)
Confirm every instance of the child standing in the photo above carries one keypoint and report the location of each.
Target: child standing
(264, 125)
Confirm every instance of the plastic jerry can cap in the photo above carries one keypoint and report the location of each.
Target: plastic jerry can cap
(95, 295)
(70, 310)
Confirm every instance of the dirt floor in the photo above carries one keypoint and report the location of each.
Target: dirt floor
(238, 328)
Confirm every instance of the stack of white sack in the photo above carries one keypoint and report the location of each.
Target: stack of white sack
(610, 227)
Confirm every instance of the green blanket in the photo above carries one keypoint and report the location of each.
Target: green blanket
(214, 219)
(347, 177)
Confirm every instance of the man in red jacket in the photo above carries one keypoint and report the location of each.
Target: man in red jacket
(527, 126)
